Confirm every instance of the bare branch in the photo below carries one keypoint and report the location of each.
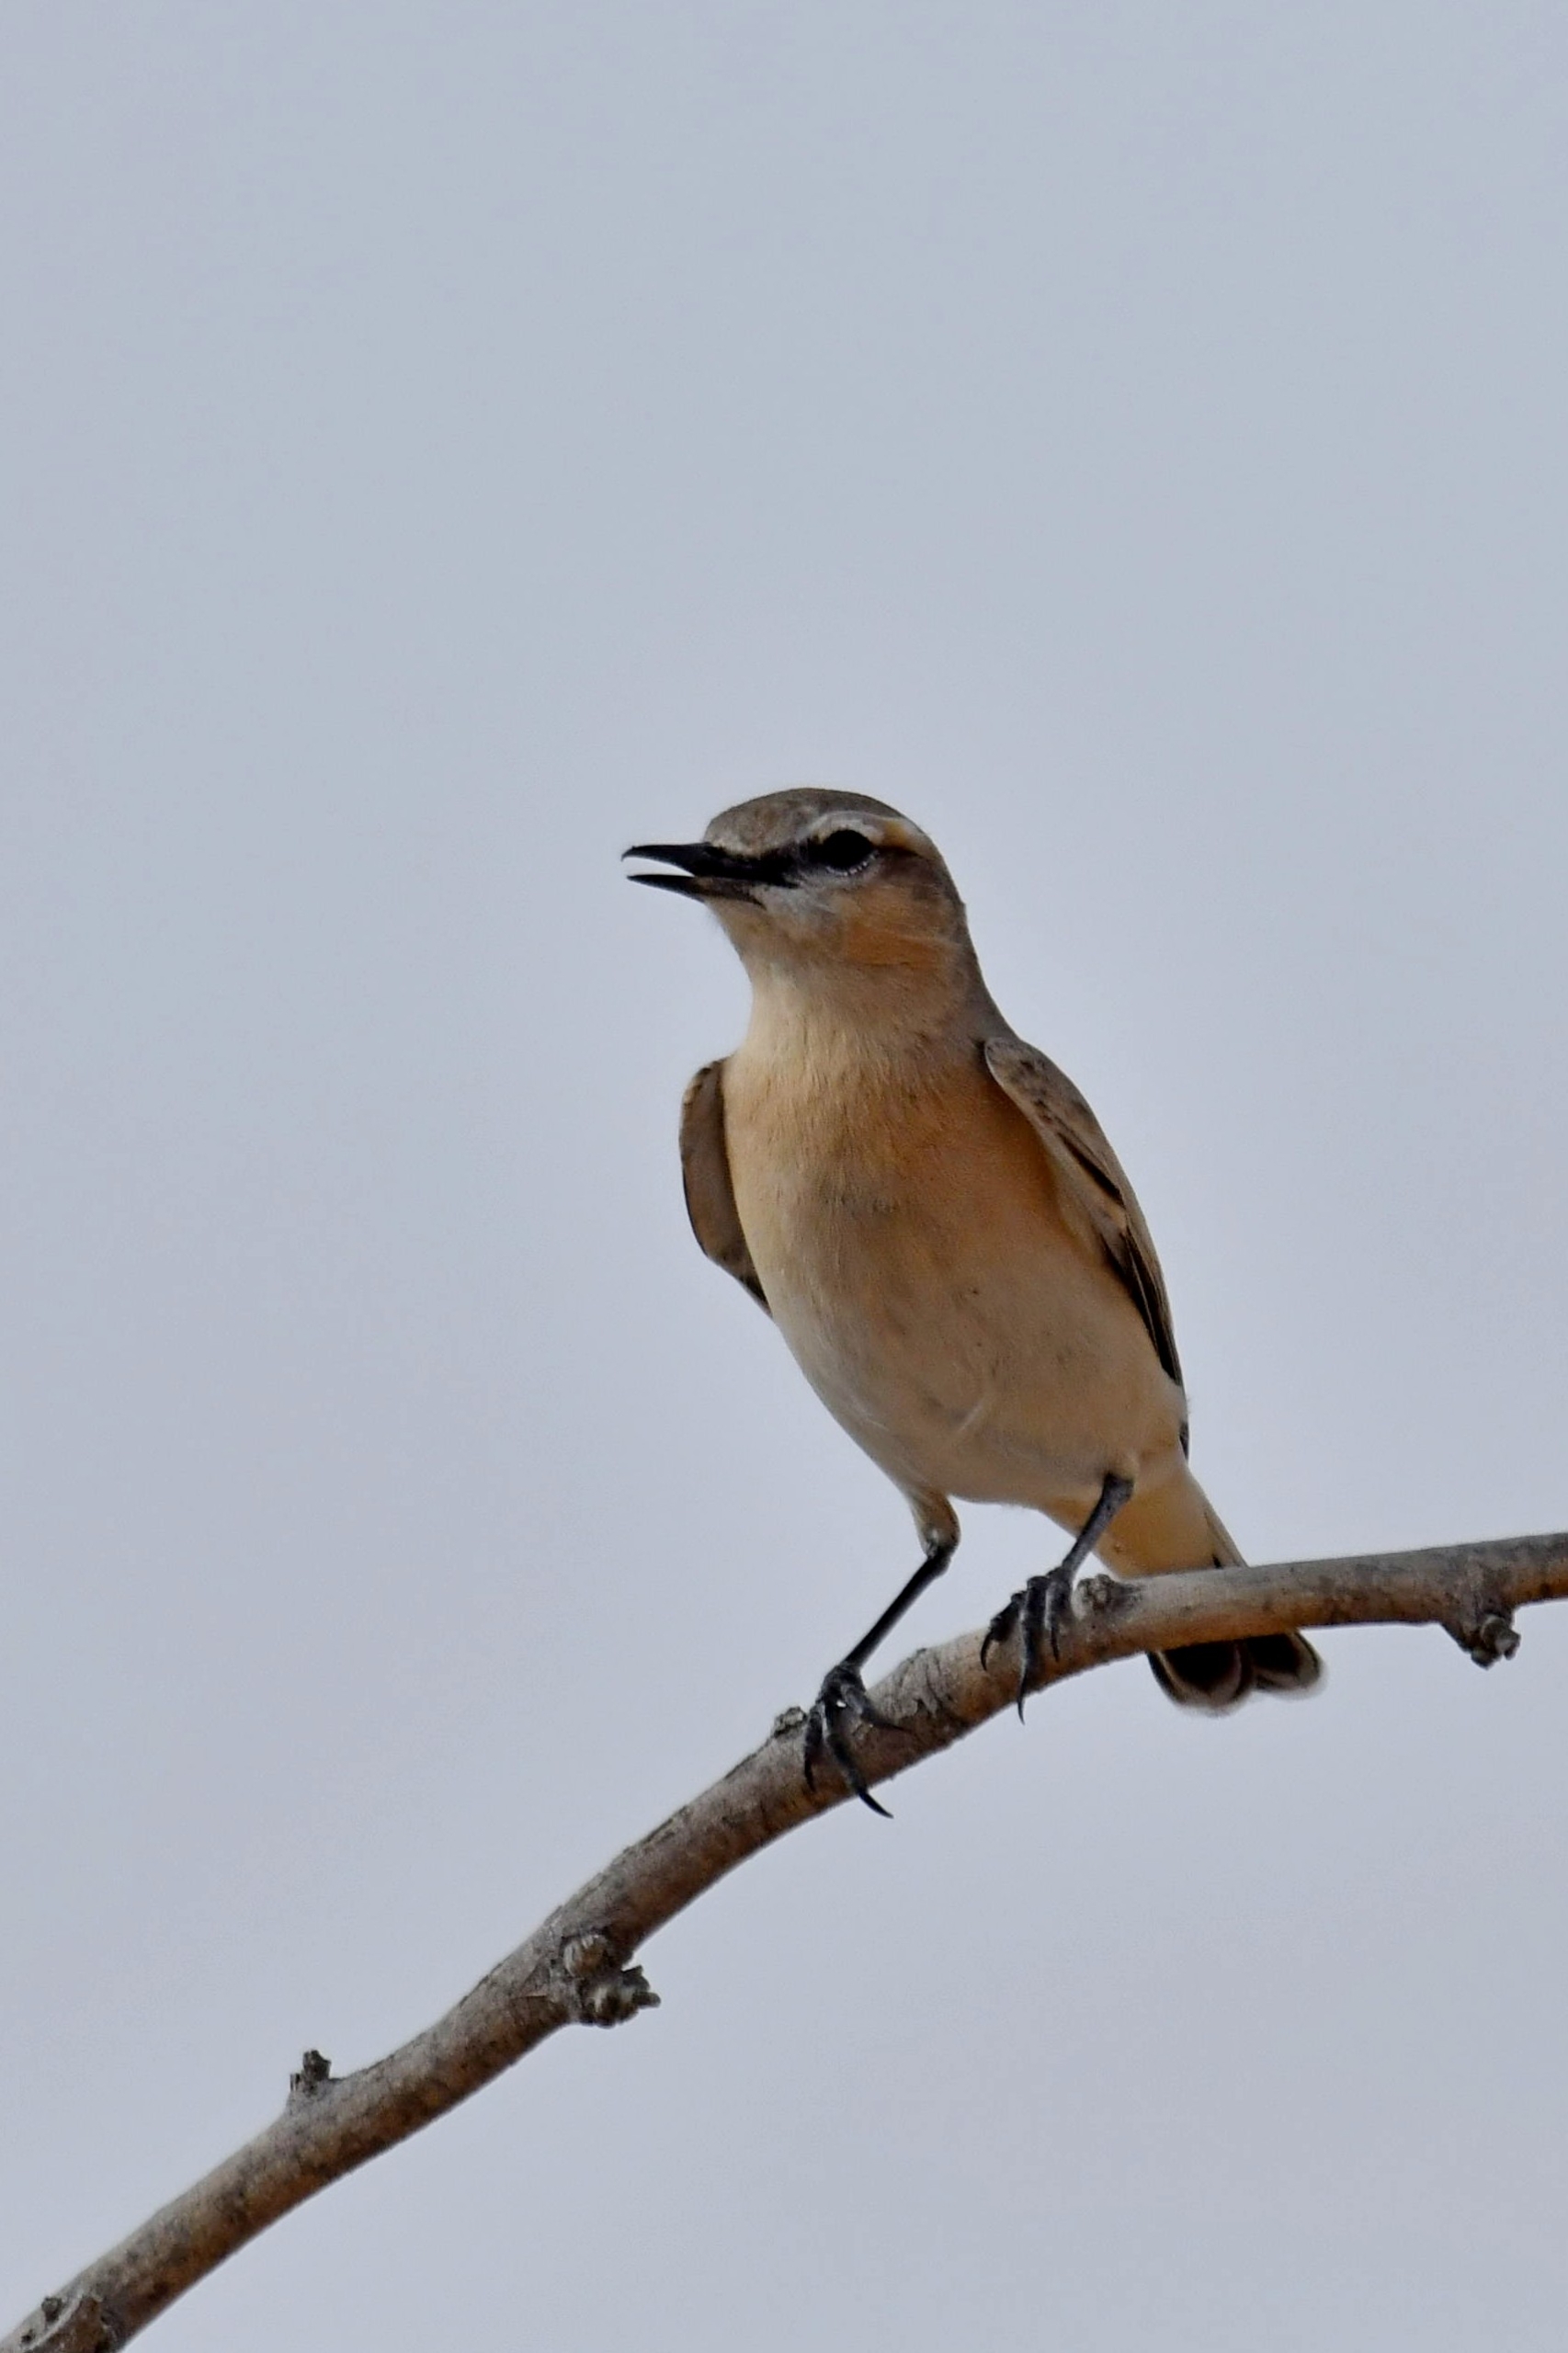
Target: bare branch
(576, 1968)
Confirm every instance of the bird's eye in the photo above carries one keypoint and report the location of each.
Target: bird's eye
(842, 853)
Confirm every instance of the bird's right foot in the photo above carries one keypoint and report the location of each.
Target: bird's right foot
(840, 1705)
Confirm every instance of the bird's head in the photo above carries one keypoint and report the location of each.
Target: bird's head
(818, 884)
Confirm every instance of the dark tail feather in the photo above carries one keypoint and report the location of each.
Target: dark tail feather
(1217, 1676)
(1175, 1525)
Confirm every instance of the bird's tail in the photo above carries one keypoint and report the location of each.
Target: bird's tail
(1174, 1526)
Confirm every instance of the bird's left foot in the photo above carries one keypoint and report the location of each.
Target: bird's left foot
(1039, 1607)
(1035, 1613)
(840, 1705)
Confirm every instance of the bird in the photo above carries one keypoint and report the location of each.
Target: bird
(933, 1217)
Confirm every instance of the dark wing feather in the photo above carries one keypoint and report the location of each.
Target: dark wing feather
(1096, 1180)
(705, 1170)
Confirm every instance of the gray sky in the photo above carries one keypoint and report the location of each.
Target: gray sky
(444, 444)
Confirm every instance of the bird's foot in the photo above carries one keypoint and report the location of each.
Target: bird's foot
(1035, 1613)
(839, 1707)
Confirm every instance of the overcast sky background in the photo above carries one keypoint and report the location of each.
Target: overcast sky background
(440, 445)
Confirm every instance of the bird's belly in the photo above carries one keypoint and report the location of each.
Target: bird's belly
(973, 1348)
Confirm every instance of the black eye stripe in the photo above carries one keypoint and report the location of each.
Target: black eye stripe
(843, 852)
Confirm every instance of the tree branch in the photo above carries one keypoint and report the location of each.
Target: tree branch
(578, 1968)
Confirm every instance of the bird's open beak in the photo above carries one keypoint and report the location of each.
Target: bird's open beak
(706, 873)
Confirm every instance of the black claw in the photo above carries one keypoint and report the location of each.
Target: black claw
(1048, 1602)
(1028, 1645)
(840, 1705)
(1001, 1627)
(813, 1748)
(1057, 1605)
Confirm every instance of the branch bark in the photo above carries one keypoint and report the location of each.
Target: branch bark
(577, 1966)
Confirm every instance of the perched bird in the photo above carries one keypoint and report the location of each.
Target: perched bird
(929, 1212)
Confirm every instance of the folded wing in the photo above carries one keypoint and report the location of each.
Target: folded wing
(705, 1171)
(1077, 1146)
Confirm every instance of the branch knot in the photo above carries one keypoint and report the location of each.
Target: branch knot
(1488, 1638)
(599, 1991)
(71, 2325)
(1103, 1595)
(1481, 1620)
(310, 2078)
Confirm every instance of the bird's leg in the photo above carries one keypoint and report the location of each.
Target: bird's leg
(842, 1703)
(1041, 1606)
